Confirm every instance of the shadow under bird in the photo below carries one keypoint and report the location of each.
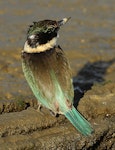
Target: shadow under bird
(48, 72)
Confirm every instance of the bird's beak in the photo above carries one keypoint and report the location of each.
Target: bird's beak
(63, 21)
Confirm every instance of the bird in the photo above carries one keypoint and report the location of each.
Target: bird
(48, 72)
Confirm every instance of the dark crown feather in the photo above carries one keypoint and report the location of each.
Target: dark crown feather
(45, 26)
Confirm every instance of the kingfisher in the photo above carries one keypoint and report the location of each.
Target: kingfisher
(48, 72)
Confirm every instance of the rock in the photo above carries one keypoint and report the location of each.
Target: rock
(98, 101)
(30, 129)
(90, 45)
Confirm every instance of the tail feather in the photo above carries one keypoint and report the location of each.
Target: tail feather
(79, 122)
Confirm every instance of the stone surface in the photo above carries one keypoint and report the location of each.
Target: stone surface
(89, 42)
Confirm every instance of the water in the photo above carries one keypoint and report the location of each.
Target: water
(90, 21)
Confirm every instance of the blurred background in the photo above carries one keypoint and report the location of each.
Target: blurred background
(90, 22)
(88, 36)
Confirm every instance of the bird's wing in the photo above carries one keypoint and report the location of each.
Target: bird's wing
(49, 76)
(64, 74)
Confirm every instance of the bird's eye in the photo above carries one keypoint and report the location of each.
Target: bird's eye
(50, 29)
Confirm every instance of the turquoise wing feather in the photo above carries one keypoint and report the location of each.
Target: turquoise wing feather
(49, 77)
(78, 121)
(40, 71)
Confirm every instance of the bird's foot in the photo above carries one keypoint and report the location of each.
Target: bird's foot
(54, 114)
(39, 107)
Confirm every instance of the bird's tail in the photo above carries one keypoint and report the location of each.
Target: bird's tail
(79, 122)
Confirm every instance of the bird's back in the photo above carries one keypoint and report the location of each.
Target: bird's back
(49, 76)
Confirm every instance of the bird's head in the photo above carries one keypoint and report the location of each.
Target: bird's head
(44, 32)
